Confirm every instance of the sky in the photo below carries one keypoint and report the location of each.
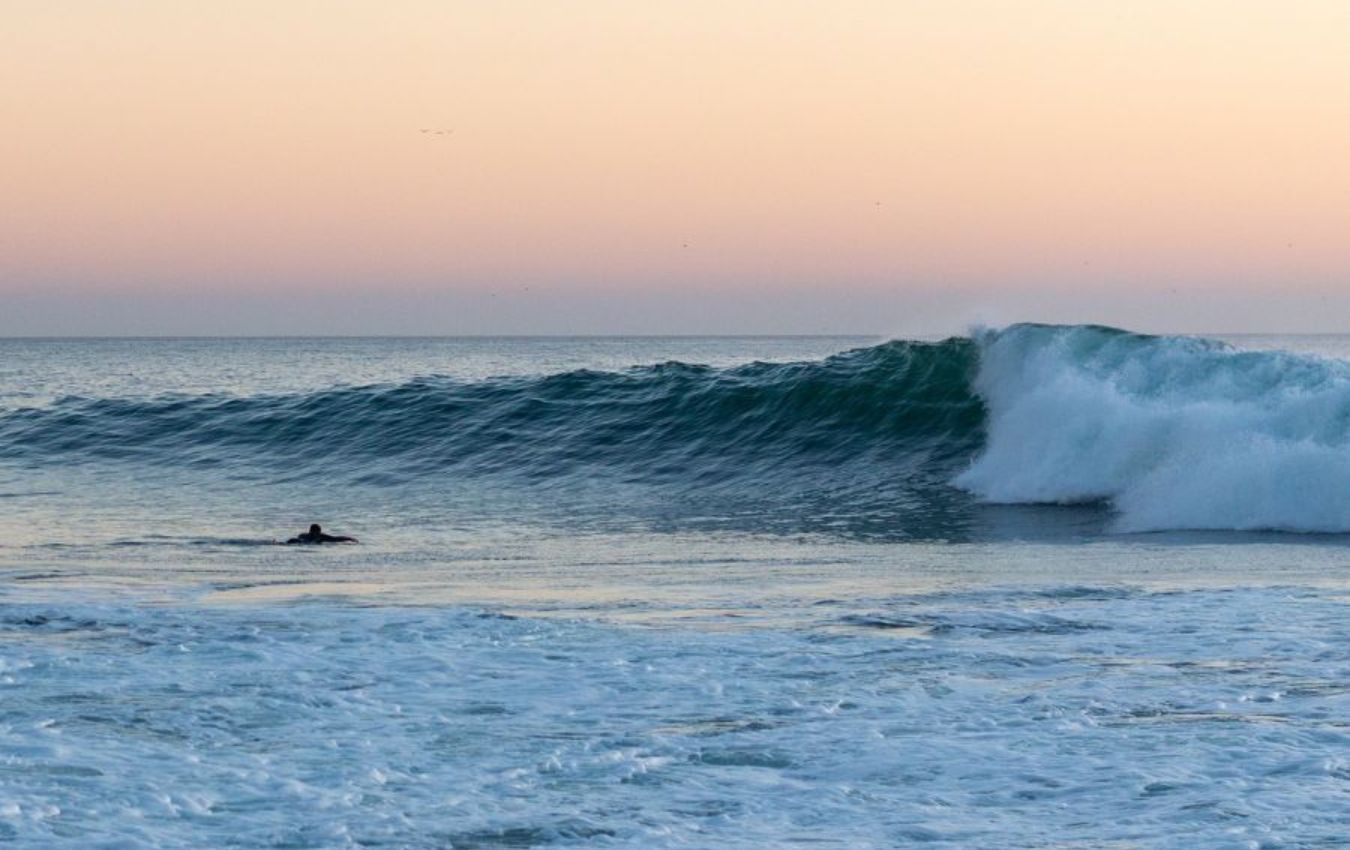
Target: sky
(702, 166)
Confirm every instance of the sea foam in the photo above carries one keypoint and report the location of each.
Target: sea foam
(1174, 432)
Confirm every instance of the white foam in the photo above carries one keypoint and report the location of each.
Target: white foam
(1177, 433)
(1083, 717)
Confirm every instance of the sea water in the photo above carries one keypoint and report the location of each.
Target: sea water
(1037, 587)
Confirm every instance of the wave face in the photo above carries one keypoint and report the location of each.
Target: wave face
(898, 415)
(1172, 433)
(1175, 433)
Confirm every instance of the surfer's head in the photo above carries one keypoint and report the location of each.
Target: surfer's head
(315, 530)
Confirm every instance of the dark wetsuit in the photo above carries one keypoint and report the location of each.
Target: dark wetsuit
(316, 535)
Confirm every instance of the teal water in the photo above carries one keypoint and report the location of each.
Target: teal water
(1042, 587)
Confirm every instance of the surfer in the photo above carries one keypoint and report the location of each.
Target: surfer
(316, 535)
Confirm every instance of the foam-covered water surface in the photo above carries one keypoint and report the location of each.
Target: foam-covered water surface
(1074, 716)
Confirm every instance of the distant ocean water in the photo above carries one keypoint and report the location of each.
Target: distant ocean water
(1042, 586)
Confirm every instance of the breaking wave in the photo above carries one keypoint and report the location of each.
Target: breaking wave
(1173, 432)
(1170, 432)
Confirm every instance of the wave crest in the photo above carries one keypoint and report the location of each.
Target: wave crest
(1174, 432)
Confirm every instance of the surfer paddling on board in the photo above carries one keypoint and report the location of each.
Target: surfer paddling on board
(316, 535)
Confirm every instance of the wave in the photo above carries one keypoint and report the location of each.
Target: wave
(847, 422)
(1169, 432)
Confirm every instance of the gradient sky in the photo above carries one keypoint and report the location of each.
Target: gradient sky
(693, 166)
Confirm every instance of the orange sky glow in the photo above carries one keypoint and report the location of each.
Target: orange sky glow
(154, 146)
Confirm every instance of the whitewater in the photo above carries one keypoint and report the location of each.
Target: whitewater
(1172, 432)
(1038, 586)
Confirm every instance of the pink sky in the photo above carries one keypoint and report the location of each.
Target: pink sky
(876, 147)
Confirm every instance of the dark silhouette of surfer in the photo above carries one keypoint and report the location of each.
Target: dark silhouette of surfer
(316, 535)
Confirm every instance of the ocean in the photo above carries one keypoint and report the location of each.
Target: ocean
(1036, 587)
